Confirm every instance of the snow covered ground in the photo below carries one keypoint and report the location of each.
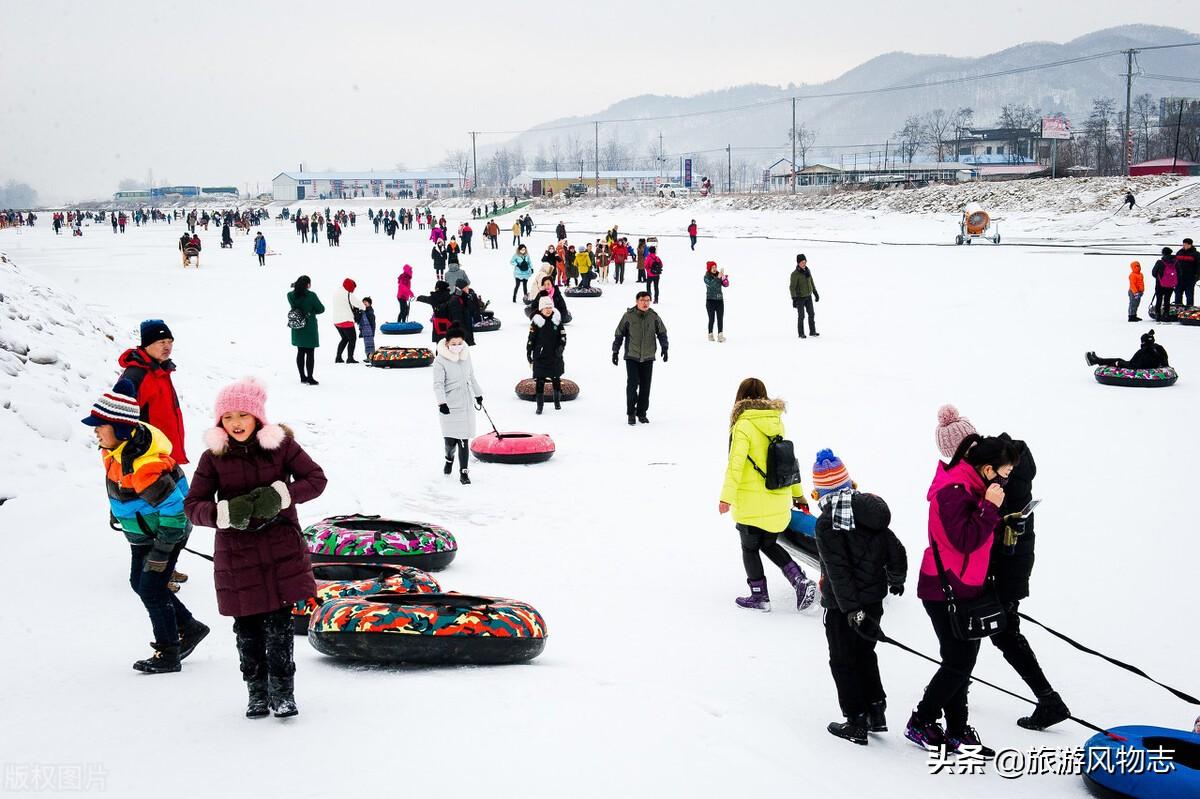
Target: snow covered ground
(653, 683)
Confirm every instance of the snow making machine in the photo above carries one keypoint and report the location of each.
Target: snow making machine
(976, 223)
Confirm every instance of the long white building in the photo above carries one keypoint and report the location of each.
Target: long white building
(292, 186)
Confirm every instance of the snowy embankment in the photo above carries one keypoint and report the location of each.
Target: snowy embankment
(652, 683)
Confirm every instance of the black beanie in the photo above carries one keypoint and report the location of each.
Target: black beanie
(154, 330)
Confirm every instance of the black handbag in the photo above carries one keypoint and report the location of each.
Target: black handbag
(971, 619)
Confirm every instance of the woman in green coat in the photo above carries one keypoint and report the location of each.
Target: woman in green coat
(759, 513)
(302, 319)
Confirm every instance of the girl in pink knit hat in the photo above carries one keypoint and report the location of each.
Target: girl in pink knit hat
(249, 480)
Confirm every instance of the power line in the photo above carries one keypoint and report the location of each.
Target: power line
(848, 93)
(1176, 78)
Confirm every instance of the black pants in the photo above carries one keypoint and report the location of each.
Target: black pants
(716, 311)
(404, 306)
(585, 280)
(947, 691)
(466, 245)
(652, 281)
(756, 540)
(637, 386)
(1162, 298)
(346, 344)
(262, 260)
(539, 385)
(1185, 293)
(1119, 363)
(1019, 654)
(304, 361)
(516, 240)
(264, 644)
(164, 608)
(805, 305)
(852, 662)
(693, 238)
(619, 273)
(463, 452)
(521, 283)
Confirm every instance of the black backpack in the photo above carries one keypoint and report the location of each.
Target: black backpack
(783, 469)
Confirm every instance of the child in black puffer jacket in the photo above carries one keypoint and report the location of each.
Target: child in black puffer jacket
(861, 561)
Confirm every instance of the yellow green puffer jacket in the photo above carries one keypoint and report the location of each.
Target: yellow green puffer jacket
(754, 422)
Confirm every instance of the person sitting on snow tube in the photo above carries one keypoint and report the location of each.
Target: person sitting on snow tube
(1149, 356)
(556, 296)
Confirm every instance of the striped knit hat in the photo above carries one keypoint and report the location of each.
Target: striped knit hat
(118, 407)
(829, 474)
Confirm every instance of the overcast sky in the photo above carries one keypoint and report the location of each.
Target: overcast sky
(230, 93)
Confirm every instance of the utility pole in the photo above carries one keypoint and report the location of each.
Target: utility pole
(474, 164)
(793, 145)
(729, 169)
(1128, 95)
(660, 154)
(1178, 125)
(597, 158)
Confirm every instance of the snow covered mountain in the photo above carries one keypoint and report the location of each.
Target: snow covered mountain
(1069, 89)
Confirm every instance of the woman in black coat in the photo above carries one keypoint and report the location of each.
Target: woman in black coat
(555, 295)
(544, 351)
(437, 299)
(1150, 355)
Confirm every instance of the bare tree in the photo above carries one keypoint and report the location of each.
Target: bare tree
(613, 154)
(804, 137)
(540, 162)
(741, 174)
(936, 126)
(963, 118)
(1098, 132)
(1144, 110)
(458, 161)
(909, 138)
(499, 167)
(556, 156)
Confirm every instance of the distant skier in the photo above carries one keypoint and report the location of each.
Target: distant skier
(1129, 200)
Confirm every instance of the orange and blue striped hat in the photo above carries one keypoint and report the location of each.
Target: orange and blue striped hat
(829, 474)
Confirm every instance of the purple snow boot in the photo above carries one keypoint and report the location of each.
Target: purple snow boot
(758, 599)
(806, 589)
(927, 735)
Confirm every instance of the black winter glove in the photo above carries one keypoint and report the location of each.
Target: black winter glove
(444, 408)
(816, 296)
(614, 358)
(664, 356)
(896, 588)
(863, 624)
(479, 402)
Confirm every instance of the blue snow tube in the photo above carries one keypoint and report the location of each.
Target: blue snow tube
(801, 534)
(1132, 775)
(400, 328)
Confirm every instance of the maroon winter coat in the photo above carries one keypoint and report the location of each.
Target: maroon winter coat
(256, 571)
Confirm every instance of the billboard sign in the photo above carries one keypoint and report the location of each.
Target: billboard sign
(687, 172)
(1056, 128)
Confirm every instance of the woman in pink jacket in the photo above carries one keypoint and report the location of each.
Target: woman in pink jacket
(404, 292)
(964, 513)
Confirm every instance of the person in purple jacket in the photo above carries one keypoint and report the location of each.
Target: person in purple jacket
(964, 514)
(247, 486)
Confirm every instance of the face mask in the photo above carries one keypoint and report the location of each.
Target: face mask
(1000, 481)
(457, 348)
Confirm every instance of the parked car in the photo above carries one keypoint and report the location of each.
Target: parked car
(575, 190)
(672, 189)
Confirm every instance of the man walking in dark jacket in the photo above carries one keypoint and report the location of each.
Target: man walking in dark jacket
(639, 328)
(804, 292)
(1188, 271)
(861, 561)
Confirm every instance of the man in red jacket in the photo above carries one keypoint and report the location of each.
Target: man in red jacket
(149, 368)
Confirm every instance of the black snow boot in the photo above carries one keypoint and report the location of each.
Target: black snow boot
(632, 421)
(876, 720)
(257, 706)
(1050, 710)
(541, 400)
(1091, 358)
(282, 699)
(463, 478)
(642, 418)
(164, 660)
(557, 399)
(449, 466)
(854, 729)
(190, 635)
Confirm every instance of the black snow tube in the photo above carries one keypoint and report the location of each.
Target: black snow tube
(1141, 378)
(486, 325)
(579, 291)
(438, 629)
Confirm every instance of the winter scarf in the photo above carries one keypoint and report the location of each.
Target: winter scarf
(842, 508)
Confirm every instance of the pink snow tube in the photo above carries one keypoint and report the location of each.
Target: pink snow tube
(513, 447)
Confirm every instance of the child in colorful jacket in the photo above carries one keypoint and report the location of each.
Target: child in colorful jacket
(145, 495)
(1137, 286)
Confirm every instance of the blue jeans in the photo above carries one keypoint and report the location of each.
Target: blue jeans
(165, 610)
(1135, 299)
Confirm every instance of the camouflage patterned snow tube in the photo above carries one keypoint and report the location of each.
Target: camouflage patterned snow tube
(441, 629)
(1142, 378)
(370, 539)
(344, 579)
